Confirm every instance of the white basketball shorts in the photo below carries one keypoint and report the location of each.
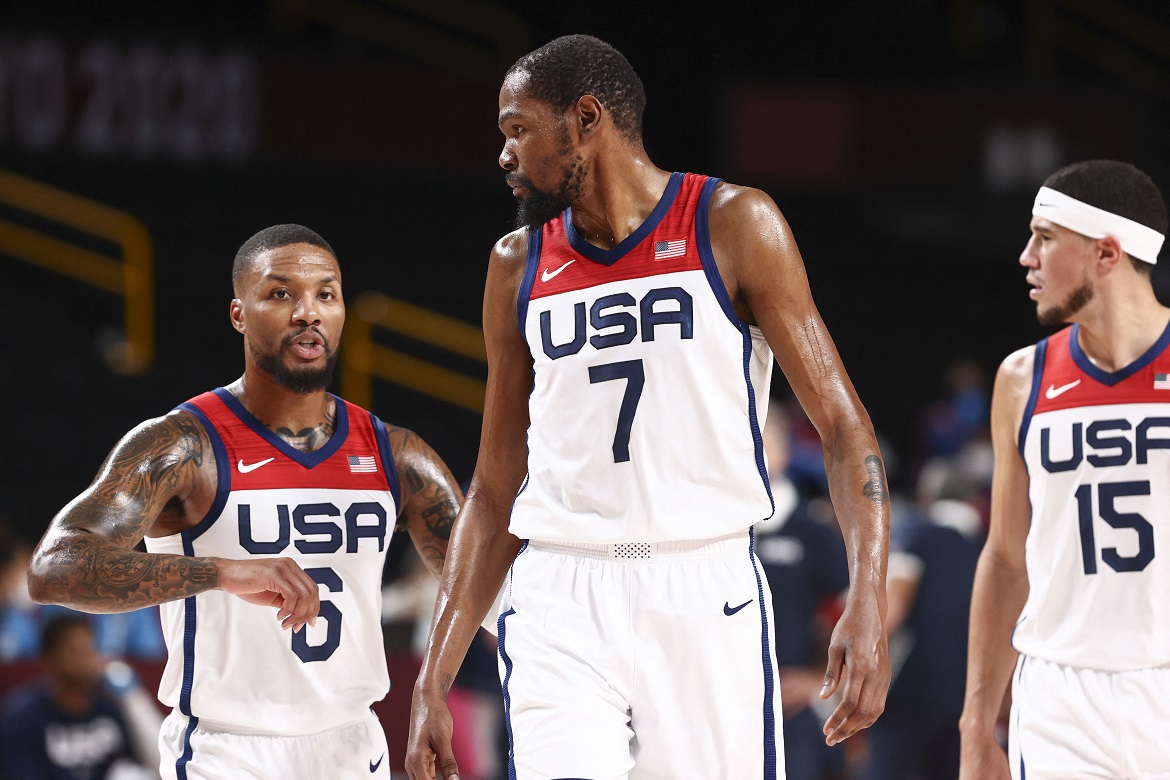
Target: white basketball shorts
(204, 752)
(1069, 723)
(641, 661)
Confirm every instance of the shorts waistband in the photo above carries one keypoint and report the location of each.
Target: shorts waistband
(239, 730)
(634, 552)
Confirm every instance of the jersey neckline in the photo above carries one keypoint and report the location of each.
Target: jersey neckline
(1110, 378)
(306, 459)
(611, 256)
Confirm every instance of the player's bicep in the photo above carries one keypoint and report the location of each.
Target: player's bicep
(430, 496)
(1010, 506)
(156, 462)
(502, 460)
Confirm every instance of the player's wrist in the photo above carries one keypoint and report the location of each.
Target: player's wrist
(975, 726)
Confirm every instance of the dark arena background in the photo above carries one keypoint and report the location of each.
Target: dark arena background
(142, 143)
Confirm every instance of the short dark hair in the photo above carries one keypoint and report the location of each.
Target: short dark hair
(566, 69)
(1116, 187)
(55, 628)
(273, 238)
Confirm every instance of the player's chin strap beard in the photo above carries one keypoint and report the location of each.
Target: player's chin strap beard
(1136, 239)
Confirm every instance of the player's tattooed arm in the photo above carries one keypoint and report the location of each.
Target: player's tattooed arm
(86, 558)
(430, 496)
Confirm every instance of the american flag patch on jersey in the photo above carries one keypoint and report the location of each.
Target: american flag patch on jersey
(362, 464)
(664, 250)
(1162, 381)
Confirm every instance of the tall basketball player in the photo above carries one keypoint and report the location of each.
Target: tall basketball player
(1071, 586)
(254, 499)
(631, 323)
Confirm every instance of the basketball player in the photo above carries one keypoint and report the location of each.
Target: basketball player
(1070, 584)
(250, 497)
(630, 324)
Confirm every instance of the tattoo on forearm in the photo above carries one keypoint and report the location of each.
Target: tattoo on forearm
(875, 486)
(96, 575)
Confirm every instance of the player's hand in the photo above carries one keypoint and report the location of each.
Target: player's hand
(859, 669)
(273, 582)
(983, 759)
(428, 748)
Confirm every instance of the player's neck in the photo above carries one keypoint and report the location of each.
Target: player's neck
(620, 191)
(1115, 333)
(304, 420)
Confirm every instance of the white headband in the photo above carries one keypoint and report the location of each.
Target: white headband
(1136, 239)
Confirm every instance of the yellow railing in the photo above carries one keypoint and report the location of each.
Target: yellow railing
(131, 276)
(362, 359)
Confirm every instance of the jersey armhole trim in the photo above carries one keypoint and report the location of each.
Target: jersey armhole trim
(223, 475)
(532, 261)
(1034, 395)
(387, 455)
(706, 256)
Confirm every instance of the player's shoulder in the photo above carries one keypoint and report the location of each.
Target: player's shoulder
(1013, 387)
(512, 248)
(737, 199)
(745, 216)
(1016, 368)
(405, 444)
(178, 427)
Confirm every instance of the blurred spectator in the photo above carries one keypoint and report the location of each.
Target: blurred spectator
(69, 725)
(949, 423)
(931, 572)
(804, 561)
(19, 614)
(804, 456)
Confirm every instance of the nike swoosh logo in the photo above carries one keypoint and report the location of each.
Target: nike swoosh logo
(1054, 391)
(252, 466)
(545, 275)
(375, 764)
(730, 610)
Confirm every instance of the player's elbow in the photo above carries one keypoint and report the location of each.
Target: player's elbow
(39, 586)
(47, 575)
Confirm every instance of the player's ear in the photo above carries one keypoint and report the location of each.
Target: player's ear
(236, 314)
(1109, 253)
(588, 115)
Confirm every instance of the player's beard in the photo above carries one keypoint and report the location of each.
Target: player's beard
(539, 206)
(298, 380)
(1058, 315)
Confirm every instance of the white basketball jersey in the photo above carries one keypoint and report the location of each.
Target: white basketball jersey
(1097, 449)
(332, 511)
(649, 393)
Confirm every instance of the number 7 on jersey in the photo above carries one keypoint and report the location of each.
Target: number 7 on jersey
(635, 376)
